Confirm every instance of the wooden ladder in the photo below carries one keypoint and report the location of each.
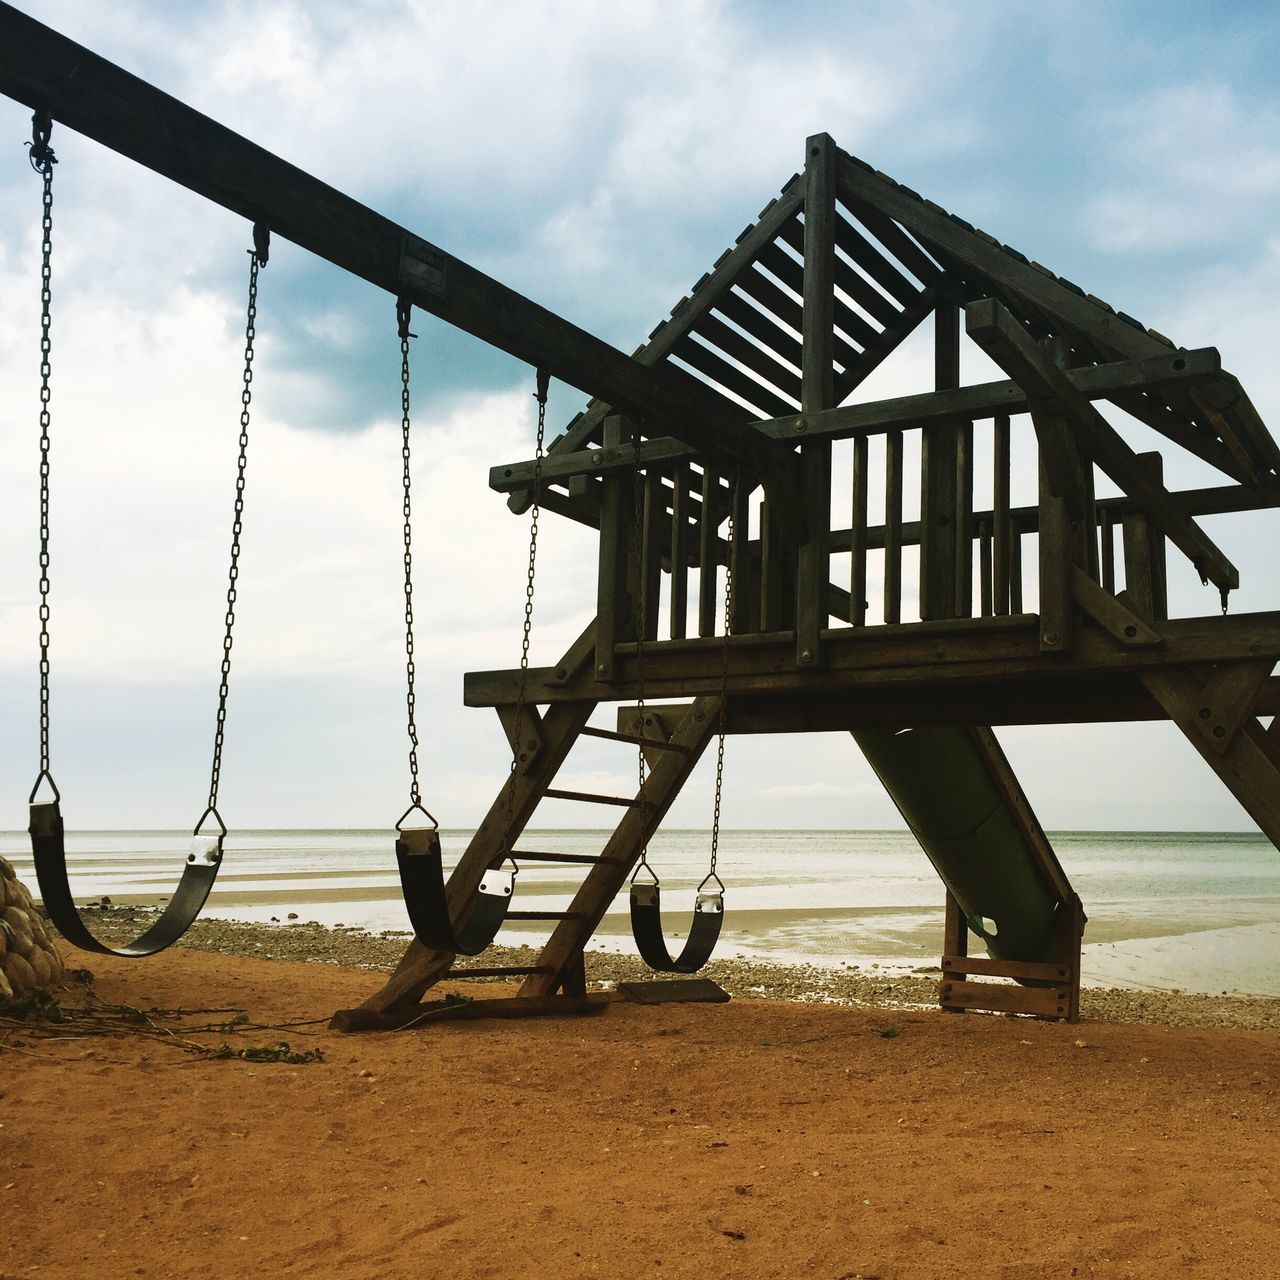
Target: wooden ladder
(545, 743)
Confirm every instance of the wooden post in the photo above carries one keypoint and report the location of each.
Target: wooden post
(777, 579)
(1002, 535)
(813, 567)
(650, 552)
(955, 941)
(893, 527)
(744, 566)
(1107, 532)
(1015, 572)
(613, 582)
(708, 553)
(858, 537)
(1056, 562)
(573, 977)
(678, 624)
(984, 568)
(1144, 559)
(939, 473)
(1070, 928)
(964, 521)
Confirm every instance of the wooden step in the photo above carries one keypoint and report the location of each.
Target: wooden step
(634, 739)
(540, 855)
(546, 915)
(589, 797)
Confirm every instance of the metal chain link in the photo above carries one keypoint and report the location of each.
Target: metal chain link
(543, 383)
(638, 623)
(403, 311)
(724, 685)
(42, 161)
(257, 258)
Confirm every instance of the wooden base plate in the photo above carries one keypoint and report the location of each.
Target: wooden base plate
(676, 991)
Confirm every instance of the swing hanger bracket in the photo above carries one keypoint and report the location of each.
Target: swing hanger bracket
(417, 807)
(210, 812)
(40, 153)
(643, 865)
(404, 312)
(45, 776)
(261, 243)
(717, 892)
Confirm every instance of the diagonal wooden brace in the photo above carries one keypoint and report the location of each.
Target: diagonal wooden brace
(1230, 695)
(1111, 613)
(992, 327)
(1246, 765)
(523, 727)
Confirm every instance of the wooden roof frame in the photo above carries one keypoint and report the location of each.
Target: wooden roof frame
(763, 290)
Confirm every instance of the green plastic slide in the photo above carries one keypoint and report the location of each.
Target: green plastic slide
(941, 781)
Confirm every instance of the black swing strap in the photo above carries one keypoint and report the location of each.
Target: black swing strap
(421, 865)
(49, 851)
(48, 843)
(646, 927)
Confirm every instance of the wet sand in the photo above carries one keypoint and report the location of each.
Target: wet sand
(852, 985)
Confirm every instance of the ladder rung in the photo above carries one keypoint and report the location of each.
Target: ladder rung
(656, 743)
(546, 915)
(589, 798)
(538, 855)
(499, 971)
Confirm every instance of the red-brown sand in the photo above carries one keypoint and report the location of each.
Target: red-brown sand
(748, 1140)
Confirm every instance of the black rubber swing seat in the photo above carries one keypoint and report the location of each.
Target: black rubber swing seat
(646, 927)
(48, 849)
(422, 883)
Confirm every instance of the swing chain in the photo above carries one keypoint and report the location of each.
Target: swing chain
(403, 310)
(638, 622)
(42, 161)
(724, 685)
(257, 258)
(543, 381)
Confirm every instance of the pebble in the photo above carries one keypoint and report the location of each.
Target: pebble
(352, 948)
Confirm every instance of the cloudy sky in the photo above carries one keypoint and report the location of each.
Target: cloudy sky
(598, 158)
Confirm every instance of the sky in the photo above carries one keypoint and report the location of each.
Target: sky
(597, 158)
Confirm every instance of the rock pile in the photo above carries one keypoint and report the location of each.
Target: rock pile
(29, 961)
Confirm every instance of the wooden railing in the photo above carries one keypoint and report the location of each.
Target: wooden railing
(898, 547)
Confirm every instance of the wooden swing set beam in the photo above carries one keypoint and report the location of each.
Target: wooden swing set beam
(85, 92)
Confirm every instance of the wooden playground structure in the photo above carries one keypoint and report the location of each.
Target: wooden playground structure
(728, 468)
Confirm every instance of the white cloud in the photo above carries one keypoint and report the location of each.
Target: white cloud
(597, 157)
(806, 791)
(1197, 166)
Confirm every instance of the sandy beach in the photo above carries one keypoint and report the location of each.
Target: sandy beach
(765, 1137)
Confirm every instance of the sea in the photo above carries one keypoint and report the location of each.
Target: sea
(1171, 910)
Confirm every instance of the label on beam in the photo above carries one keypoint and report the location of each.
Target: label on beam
(422, 266)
